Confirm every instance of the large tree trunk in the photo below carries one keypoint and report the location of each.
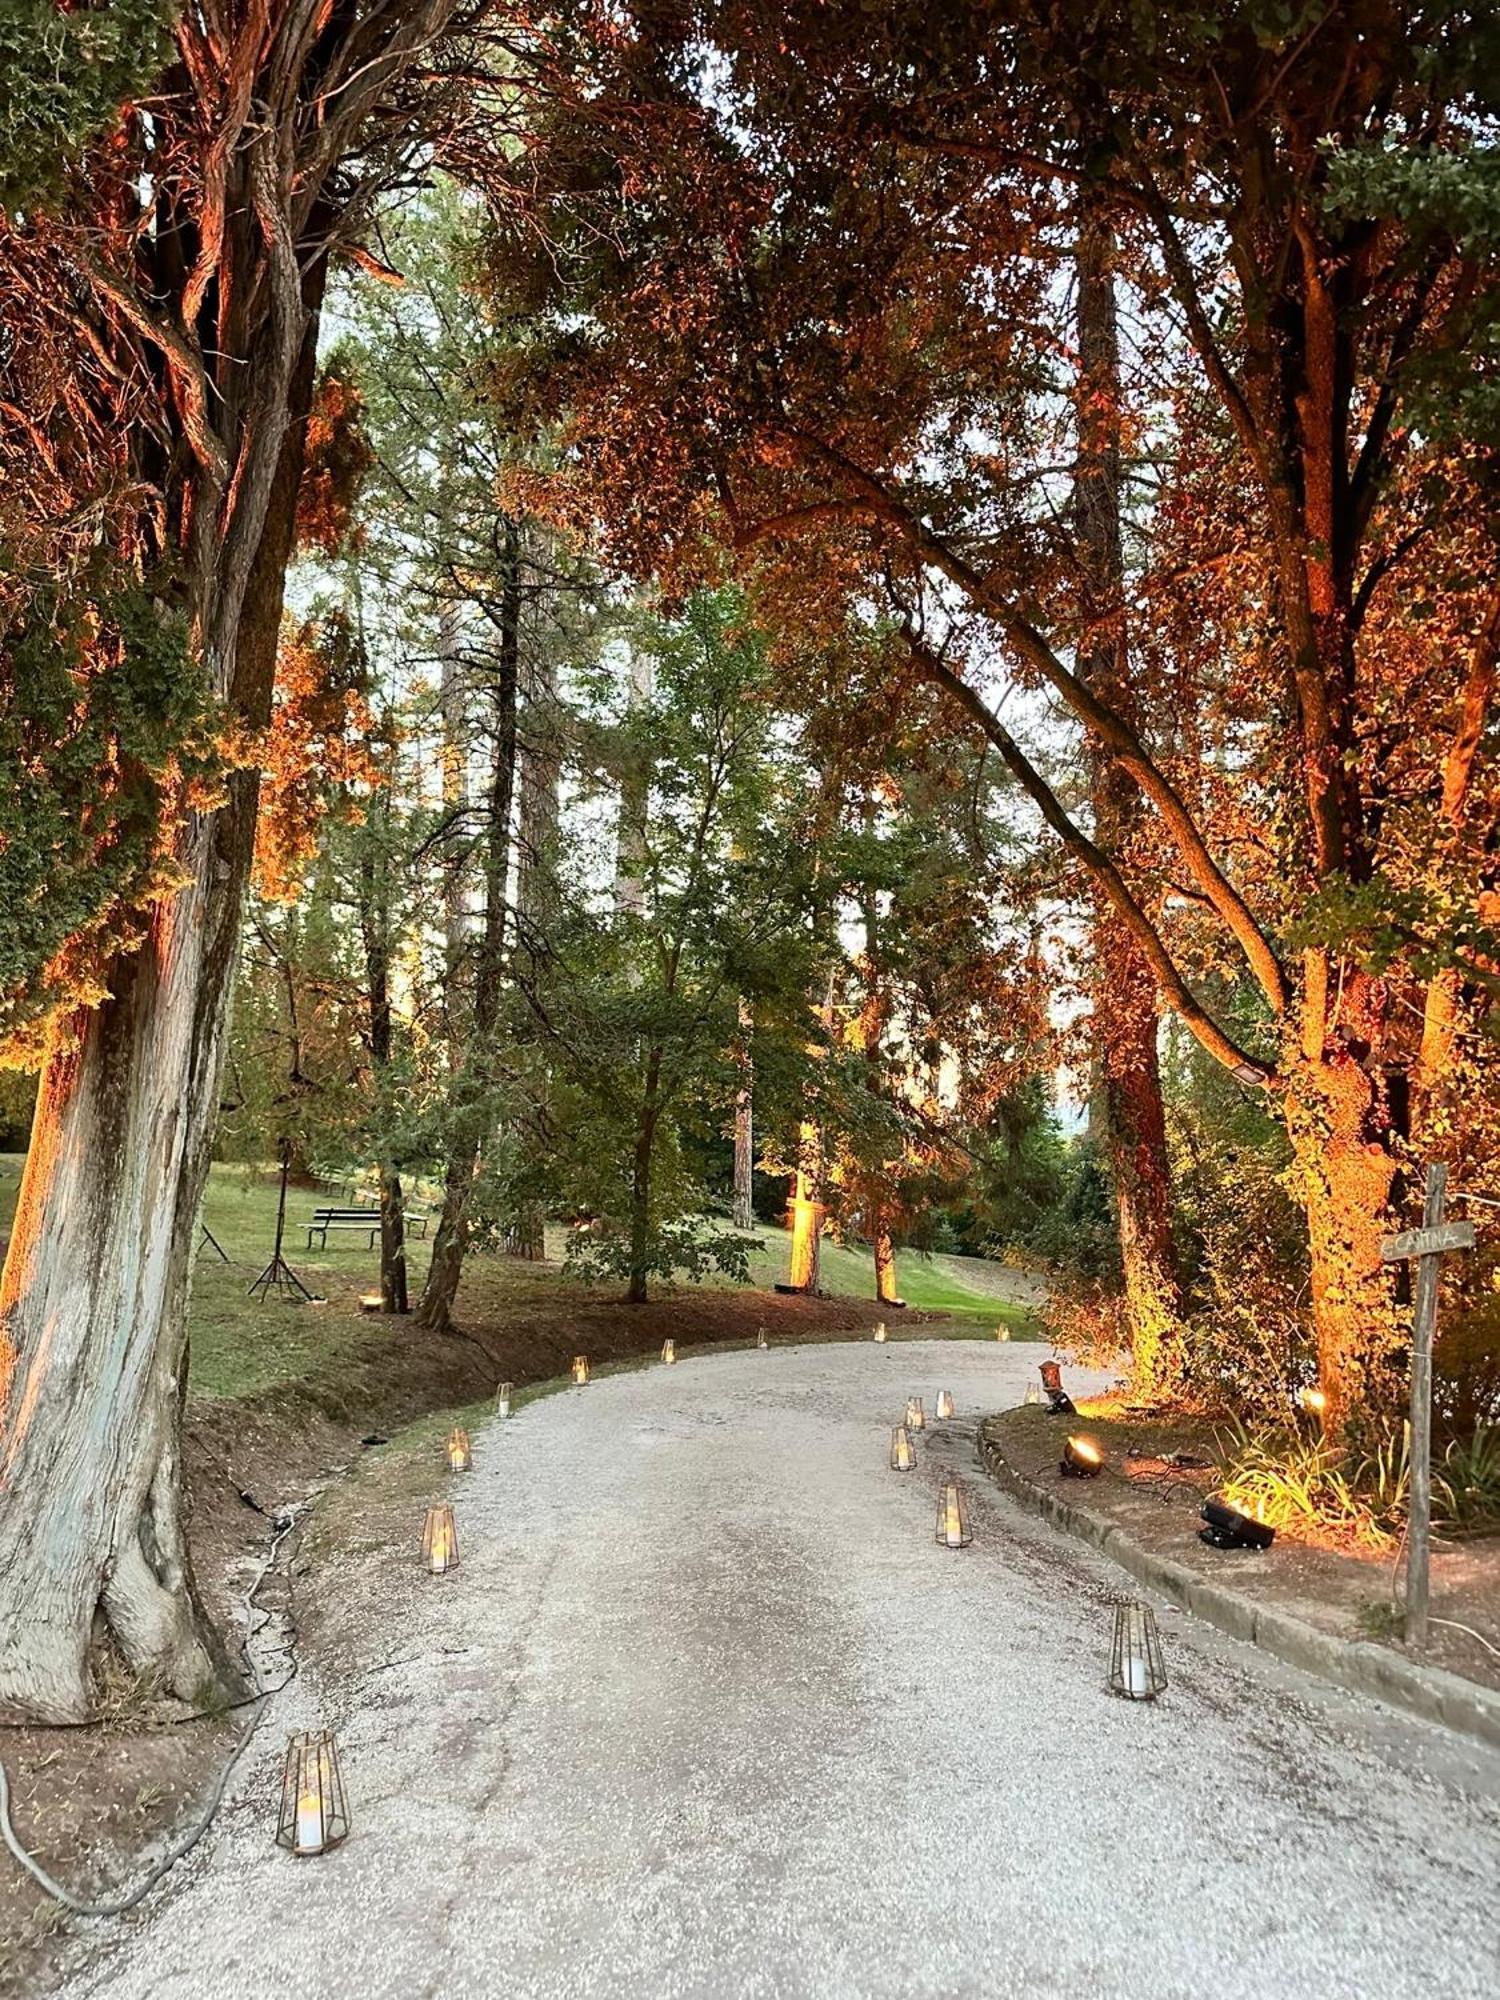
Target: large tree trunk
(887, 1292)
(807, 1214)
(743, 1213)
(1338, 1117)
(93, 1300)
(1125, 1008)
(640, 1181)
(375, 933)
(473, 1109)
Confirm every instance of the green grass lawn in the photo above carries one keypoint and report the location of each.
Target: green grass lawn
(241, 1345)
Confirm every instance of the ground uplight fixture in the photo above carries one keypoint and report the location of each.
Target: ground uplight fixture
(460, 1458)
(1081, 1459)
(953, 1530)
(580, 1369)
(669, 1352)
(916, 1416)
(903, 1452)
(1136, 1669)
(1228, 1528)
(440, 1540)
(314, 1815)
(502, 1398)
(1314, 1401)
(944, 1403)
(880, 1330)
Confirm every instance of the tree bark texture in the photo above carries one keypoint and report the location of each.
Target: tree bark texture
(1125, 1020)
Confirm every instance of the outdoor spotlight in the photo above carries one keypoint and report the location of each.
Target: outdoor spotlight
(460, 1458)
(903, 1453)
(669, 1352)
(1136, 1669)
(371, 1302)
(1314, 1401)
(880, 1332)
(953, 1530)
(1081, 1459)
(1051, 1374)
(580, 1369)
(313, 1816)
(916, 1416)
(440, 1540)
(944, 1403)
(502, 1398)
(1228, 1528)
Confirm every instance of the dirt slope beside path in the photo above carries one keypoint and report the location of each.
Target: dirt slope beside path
(705, 1711)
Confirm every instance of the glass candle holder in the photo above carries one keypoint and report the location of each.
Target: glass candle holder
(953, 1530)
(314, 1815)
(440, 1540)
(903, 1452)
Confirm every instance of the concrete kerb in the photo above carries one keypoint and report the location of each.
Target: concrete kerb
(1357, 1664)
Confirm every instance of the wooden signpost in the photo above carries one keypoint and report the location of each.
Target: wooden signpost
(1427, 1246)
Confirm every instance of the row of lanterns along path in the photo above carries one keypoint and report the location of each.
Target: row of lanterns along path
(1136, 1668)
(314, 1815)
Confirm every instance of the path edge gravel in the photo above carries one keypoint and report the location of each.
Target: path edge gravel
(1359, 1665)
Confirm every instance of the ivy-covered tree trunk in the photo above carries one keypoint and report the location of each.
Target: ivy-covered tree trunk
(1125, 1006)
(93, 1301)
(181, 285)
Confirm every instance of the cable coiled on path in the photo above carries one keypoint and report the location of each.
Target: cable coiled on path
(256, 1702)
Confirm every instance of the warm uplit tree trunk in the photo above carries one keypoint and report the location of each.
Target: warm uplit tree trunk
(887, 1292)
(1125, 1020)
(807, 1216)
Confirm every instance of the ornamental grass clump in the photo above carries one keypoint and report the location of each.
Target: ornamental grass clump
(1316, 1491)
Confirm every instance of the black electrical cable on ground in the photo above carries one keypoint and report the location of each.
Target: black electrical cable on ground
(257, 1704)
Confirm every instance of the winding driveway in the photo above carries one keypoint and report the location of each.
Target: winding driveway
(706, 1712)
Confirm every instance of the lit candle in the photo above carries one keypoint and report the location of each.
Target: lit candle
(880, 1332)
(953, 1528)
(945, 1403)
(669, 1352)
(309, 1823)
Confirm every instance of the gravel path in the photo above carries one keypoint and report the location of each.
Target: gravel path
(707, 1712)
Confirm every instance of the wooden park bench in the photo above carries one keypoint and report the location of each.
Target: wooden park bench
(324, 1219)
(366, 1220)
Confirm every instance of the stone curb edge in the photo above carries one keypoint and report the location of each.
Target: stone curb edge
(1357, 1664)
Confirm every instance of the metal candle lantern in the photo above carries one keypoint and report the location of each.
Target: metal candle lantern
(953, 1530)
(460, 1458)
(880, 1330)
(903, 1455)
(440, 1540)
(314, 1815)
(1081, 1459)
(1033, 1393)
(580, 1369)
(944, 1403)
(1136, 1668)
(760, 1340)
(916, 1416)
(502, 1398)
(669, 1352)
(1002, 1333)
